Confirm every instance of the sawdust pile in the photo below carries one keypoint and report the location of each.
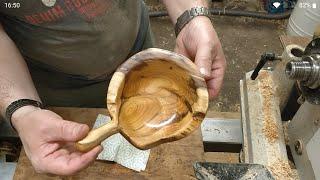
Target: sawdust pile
(285, 126)
(281, 170)
(270, 127)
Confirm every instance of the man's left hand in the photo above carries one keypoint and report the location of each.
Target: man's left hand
(199, 41)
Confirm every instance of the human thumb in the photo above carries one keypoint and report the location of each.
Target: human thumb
(203, 60)
(71, 131)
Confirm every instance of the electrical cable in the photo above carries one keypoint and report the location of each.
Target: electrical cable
(226, 12)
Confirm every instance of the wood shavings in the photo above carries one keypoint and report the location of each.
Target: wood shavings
(270, 127)
(285, 126)
(281, 170)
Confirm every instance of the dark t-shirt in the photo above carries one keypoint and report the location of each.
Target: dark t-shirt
(86, 38)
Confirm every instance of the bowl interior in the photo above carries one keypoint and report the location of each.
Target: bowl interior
(156, 103)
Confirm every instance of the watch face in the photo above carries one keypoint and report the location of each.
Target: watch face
(49, 3)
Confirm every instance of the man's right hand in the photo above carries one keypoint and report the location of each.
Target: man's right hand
(48, 141)
(46, 137)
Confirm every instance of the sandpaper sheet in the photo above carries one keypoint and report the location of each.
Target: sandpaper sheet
(116, 148)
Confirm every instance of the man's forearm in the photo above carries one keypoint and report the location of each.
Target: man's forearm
(177, 7)
(15, 80)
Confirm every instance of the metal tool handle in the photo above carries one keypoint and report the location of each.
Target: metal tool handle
(265, 57)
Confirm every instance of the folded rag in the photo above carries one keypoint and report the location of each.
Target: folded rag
(116, 148)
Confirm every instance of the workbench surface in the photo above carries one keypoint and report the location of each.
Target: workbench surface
(287, 40)
(168, 161)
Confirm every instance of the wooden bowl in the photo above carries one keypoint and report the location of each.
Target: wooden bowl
(154, 97)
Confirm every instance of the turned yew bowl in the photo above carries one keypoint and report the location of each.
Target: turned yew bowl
(156, 96)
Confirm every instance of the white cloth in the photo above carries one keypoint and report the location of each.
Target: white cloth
(119, 150)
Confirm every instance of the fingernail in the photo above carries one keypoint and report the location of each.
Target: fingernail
(204, 72)
(80, 129)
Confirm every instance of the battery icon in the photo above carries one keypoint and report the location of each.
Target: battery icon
(314, 5)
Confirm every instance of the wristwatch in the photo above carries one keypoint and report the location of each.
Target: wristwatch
(18, 104)
(188, 15)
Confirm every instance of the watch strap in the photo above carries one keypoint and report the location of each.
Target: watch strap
(188, 15)
(18, 104)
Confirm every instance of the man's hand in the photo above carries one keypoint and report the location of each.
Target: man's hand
(48, 141)
(199, 41)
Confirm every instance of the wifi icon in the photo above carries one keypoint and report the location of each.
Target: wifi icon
(276, 4)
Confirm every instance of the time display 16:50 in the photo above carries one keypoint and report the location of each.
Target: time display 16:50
(12, 5)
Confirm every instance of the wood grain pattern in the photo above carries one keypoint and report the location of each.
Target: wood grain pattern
(167, 161)
(156, 96)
